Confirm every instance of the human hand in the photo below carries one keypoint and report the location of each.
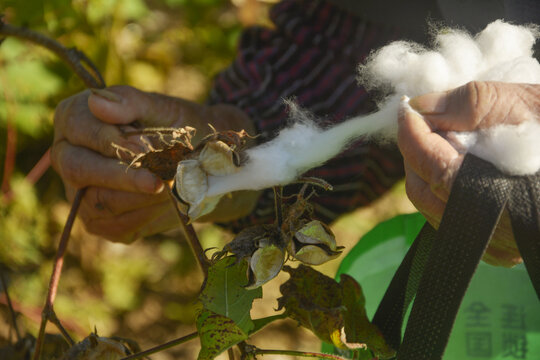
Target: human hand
(432, 163)
(124, 205)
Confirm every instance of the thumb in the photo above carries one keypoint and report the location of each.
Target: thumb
(122, 105)
(477, 105)
(456, 109)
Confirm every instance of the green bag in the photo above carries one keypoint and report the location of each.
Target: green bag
(499, 317)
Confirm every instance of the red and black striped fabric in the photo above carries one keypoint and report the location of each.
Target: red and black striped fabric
(311, 56)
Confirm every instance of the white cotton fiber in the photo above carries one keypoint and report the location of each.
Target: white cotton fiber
(515, 149)
(501, 52)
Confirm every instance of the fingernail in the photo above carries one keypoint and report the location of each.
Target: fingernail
(107, 95)
(430, 104)
(148, 182)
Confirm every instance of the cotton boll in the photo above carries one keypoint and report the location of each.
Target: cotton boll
(501, 42)
(521, 70)
(514, 149)
(389, 65)
(430, 73)
(462, 54)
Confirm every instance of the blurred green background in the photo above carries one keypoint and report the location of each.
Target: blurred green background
(145, 291)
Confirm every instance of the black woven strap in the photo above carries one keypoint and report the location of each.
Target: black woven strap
(479, 195)
(399, 294)
(524, 209)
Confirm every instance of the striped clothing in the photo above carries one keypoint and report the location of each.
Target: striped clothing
(311, 56)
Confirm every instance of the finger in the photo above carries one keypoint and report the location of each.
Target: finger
(81, 167)
(420, 194)
(478, 105)
(101, 202)
(168, 220)
(129, 226)
(74, 122)
(428, 154)
(125, 104)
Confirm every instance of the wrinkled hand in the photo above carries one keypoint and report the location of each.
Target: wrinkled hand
(431, 163)
(125, 205)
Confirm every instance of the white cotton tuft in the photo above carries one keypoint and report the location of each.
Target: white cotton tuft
(515, 149)
(501, 52)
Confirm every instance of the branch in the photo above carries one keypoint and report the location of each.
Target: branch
(39, 168)
(57, 270)
(9, 162)
(90, 75)
(162, 347)
(10, 306)
(306, 354)
(76, 59)
(190, 235)
(278, 204)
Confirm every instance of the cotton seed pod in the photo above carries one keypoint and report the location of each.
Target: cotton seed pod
(191, 182)
(204, 207)
(217, 158)
(314, 244)
(95, 347)
(264, 265)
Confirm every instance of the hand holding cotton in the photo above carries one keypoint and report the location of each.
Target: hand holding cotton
(501, 52)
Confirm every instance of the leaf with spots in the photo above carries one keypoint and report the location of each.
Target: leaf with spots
(333, 311)
(224, 292)
(217, 333)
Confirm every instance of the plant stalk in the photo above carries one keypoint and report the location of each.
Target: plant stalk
(306, 354)
(162, 347)
(190, 235)
(278, 204)
(10, 306)
(76, 59)
(85, 69)
(57, 271)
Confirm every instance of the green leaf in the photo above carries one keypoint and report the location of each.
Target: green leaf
(224, 292)
(217, 333)
(314, 300)
(359, 331)
(333, 311)
(259, 324)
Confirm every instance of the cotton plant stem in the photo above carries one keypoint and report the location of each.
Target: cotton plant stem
(315, 182)
(306, 354)
(278, 204)
(190, 235)
(230, 352)
(9, 162)
(57, 271)
(85, 69)
(39, 168)
(56, 321)
(76, 59)
(10, 306)
(162, 347)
